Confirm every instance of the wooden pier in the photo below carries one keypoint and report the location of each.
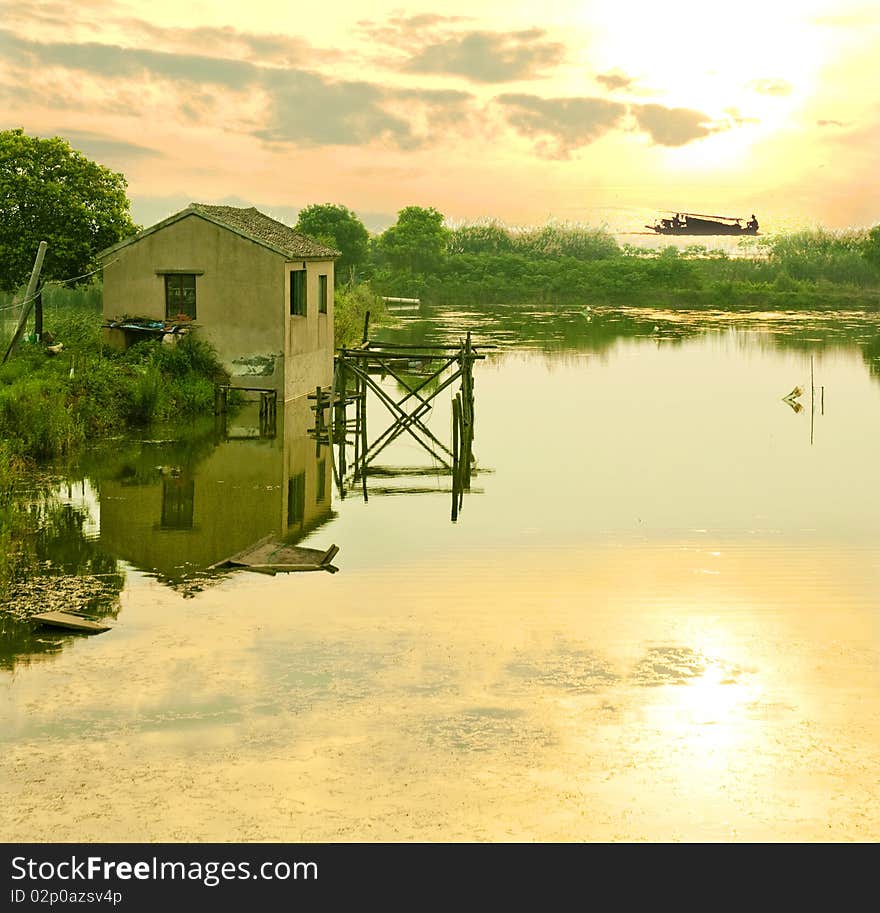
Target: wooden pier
(422, 372)
(268, 406)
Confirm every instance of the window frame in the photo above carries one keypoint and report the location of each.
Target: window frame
(178, 278)
(323, 295)
(299, 293)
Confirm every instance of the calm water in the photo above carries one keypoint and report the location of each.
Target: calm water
(656, 617)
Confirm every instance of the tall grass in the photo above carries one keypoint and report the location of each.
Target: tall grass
(551, 241)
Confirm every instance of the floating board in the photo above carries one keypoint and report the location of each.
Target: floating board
(70, 622)
(269, 556)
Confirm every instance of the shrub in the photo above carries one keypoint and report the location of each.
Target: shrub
(350, 306)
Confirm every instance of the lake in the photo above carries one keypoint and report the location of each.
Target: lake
(655, 617)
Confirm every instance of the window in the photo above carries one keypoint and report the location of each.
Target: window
(178, 495)
(296, 498)
(298, 292)
(180, 295)
(322, 294)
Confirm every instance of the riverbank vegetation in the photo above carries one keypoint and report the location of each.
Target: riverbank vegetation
(485, 261)
(570, 264)
(51, 403)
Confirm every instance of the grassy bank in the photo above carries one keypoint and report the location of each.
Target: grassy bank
(51, 403)
(574, 265)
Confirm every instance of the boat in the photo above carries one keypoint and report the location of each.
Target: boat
(695, 223)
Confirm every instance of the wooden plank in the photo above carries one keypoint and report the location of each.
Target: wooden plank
(70, 622)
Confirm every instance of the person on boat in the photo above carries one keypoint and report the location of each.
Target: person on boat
(752, 224)
(677, 221)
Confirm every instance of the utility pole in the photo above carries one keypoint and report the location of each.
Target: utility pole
(28, 300)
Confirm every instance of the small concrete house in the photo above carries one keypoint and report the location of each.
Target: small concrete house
(258, 291)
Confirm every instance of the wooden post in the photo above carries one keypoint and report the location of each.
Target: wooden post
(366, 327)
(456, 421)
(364, 438)
(357, 422)
(38, 314)
(28, 299)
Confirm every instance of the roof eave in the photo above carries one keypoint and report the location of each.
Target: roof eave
(194, 211)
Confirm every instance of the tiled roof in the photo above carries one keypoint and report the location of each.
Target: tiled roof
(265, 230)
(247, 223)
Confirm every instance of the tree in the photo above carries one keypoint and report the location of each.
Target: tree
(337, 226)
(50, 192)
(871, 248)
(416, 242)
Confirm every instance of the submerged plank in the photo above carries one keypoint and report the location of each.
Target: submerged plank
(271, 556)
(70, 622)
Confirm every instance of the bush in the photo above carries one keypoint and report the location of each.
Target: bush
(35, 420)
(566, 240)
(837, 256)
(350, 306)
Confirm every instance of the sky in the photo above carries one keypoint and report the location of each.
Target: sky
(600, 112)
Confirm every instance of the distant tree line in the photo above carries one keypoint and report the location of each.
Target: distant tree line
(49, 191)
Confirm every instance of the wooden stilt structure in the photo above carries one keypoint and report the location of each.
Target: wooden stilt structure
(422, 372)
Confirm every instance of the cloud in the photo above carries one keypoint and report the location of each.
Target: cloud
(98, 20)
(614, 81)
(672, 126)
(830, 123)
(770, 86)
(107, 150)
(110, 60)
(488, 57)
(402, 31)
(560, 125)
(443, 45)
(295, 105)
(308, 110)
(228, 42)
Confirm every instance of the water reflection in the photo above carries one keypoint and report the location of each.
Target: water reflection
(175, 509)
(558, 329)
(55, 561)
(658, 622)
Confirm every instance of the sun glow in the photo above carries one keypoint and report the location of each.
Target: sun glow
(758, 58)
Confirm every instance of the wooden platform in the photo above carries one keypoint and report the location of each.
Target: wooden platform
(269, 556)
(71, 622)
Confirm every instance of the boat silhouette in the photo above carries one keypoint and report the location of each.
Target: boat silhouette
(694, 223)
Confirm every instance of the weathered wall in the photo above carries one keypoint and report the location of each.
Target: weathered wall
(240, 298)
(309, 343)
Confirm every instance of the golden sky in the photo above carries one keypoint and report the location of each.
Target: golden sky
(597, 112)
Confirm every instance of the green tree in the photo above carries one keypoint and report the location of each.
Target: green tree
(337, 226)
(50, 192)
(871, 248)
(417, 242)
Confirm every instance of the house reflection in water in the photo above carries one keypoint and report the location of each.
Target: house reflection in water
(176, 509)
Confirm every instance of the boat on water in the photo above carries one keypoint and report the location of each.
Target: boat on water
(695, 223)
